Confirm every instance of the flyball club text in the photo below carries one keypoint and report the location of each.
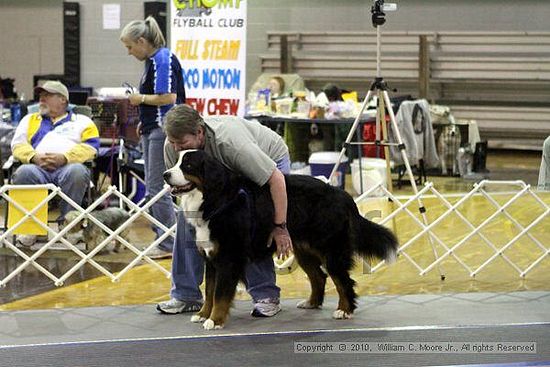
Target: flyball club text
(191, 4)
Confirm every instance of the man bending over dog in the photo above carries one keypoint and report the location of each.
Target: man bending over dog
(247, 148)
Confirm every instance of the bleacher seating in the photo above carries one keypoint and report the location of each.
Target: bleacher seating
(500, 79)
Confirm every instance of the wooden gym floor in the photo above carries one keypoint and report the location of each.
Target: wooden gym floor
(146, 285)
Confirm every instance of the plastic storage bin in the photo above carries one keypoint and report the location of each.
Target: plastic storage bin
(374, 173)
(322, 163)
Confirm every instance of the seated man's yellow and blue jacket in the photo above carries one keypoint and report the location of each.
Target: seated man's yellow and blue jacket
(73, 135)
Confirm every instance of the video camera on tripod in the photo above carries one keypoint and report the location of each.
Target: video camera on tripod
(378, 89)
(378, 9)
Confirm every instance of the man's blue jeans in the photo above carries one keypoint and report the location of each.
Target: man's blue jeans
(153, 156)
(73, 179)
(188, 265)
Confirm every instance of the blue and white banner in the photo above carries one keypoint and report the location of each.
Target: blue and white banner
(209, 38)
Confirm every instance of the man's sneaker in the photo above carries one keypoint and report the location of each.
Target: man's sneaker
(174, 306)
(157, 253)
(266, 308)
(26, 240)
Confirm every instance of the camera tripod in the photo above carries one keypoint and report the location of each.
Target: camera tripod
(379, 89)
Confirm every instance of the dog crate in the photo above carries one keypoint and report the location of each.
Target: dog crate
(449, 138)
(115, 118)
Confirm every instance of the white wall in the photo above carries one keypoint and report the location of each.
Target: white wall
(31, 30)
(30, 40)
(105, 61)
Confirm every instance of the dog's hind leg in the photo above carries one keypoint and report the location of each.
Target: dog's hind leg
(311, 264)
(346, 294)
(118, 245)
(226, 280)
(210, 285)
(338, 267)
(91, 241)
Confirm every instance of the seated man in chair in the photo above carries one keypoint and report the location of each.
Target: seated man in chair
(53, 144)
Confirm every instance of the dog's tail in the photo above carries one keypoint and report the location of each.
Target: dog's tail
(376, 241)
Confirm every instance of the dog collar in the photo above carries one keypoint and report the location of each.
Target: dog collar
(222, 208)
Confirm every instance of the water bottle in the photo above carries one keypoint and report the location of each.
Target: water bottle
(15, 110)
(264, 100)
(251, 102)
(462, 162)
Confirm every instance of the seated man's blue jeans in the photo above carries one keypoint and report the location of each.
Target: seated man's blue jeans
(73, 179)
(188, 265)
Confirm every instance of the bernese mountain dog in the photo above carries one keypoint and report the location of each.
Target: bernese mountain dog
(235, 221)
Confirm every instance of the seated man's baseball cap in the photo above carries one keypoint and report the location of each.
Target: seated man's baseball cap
(55, 87)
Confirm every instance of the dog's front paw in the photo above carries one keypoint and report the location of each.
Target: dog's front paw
(306, 304)
(241, 288)
(197, 318)
(341, 315)
(211, 325)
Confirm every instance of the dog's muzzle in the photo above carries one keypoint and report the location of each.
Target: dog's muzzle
(180, 190)
(176, 190)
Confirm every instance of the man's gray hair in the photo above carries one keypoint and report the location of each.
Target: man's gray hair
(182, 120)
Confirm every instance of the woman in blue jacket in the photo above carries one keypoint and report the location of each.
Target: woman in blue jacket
(161, 87)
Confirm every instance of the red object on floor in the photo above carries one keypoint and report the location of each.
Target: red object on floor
(369, 134)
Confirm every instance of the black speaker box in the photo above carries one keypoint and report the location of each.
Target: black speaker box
(158, 10)
(71, 43)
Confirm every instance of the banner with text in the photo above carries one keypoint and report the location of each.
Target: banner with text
(209, 38)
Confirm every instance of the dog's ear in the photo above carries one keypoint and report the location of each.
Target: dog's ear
(214, 175)
(215, 178)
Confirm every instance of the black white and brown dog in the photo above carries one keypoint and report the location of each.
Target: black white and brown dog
(236, 221)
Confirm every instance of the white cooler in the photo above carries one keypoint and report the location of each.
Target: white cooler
(374, 173)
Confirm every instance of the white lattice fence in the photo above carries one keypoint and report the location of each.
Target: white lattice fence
(59, 237)
(496, 221)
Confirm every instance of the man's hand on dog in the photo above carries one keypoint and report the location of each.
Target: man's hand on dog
(283, 242)
(49, 161)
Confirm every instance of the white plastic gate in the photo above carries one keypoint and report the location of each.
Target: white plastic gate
(458, 228)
